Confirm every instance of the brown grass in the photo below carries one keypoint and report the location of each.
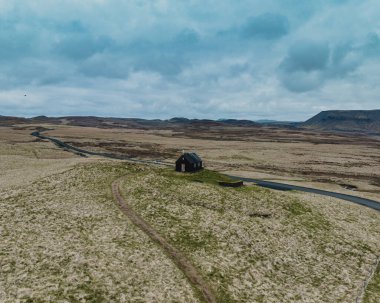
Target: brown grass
(309, 249)
(64, 239)
(329, 159)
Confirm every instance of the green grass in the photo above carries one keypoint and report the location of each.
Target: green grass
(310, 220)
(192, 242)
(372, 294)
(203, 176)
(296, 208)
(66, 239)
(248, 259)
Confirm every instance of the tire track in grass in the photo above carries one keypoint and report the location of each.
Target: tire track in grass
(178, 258)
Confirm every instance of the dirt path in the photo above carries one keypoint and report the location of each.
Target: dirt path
(179, 259)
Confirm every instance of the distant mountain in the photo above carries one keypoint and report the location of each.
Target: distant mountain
(363, 121)
(110, 122)
(7, 120)
(287, 124)
(178, 120)
(238, 122)
(367, 121)
(265, 121)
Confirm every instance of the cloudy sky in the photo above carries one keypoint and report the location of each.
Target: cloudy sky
(273, 59)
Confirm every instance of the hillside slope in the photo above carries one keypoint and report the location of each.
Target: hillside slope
(346, 120)
(256, 245)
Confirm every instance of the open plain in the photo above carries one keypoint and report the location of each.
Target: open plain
(189, 151)
(337, 161)
(65, 239)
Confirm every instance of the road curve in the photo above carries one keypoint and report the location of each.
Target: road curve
(179, 259)
(282, 186)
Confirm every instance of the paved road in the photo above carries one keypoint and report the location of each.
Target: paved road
(84, 153)
(282, 186)
(273, 185)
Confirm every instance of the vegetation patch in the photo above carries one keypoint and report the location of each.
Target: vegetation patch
(63, 239)
(299, 252)
(202, 176)
(372, 294)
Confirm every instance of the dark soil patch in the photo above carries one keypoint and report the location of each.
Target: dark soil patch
(348, 186)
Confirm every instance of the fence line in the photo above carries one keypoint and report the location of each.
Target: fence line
(371, 273)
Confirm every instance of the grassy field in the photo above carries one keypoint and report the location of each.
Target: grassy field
(296, 254)
(64, 239)
(372, 294)
(326, 161)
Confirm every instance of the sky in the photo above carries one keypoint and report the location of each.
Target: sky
(273, 59)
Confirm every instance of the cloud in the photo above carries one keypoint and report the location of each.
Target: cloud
(106, 65)
(302, 69)
(168, 57)
(186, 38)
(306, 56)
(371, 48)
(15, 42)
(81, 46)
(251, 58)
(165, 63)
(301, 81)
(73, 26)
(308, 65)
(345, 59)
(267, 26)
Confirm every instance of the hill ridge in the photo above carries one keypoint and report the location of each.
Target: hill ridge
(367, 121)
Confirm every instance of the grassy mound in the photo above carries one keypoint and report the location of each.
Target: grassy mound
(299, 252)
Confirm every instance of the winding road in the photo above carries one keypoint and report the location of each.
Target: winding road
(282, 186)
(268, 184)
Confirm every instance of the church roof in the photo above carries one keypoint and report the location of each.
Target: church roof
(191, 158)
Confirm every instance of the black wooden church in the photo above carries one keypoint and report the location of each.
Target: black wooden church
(188, 162)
